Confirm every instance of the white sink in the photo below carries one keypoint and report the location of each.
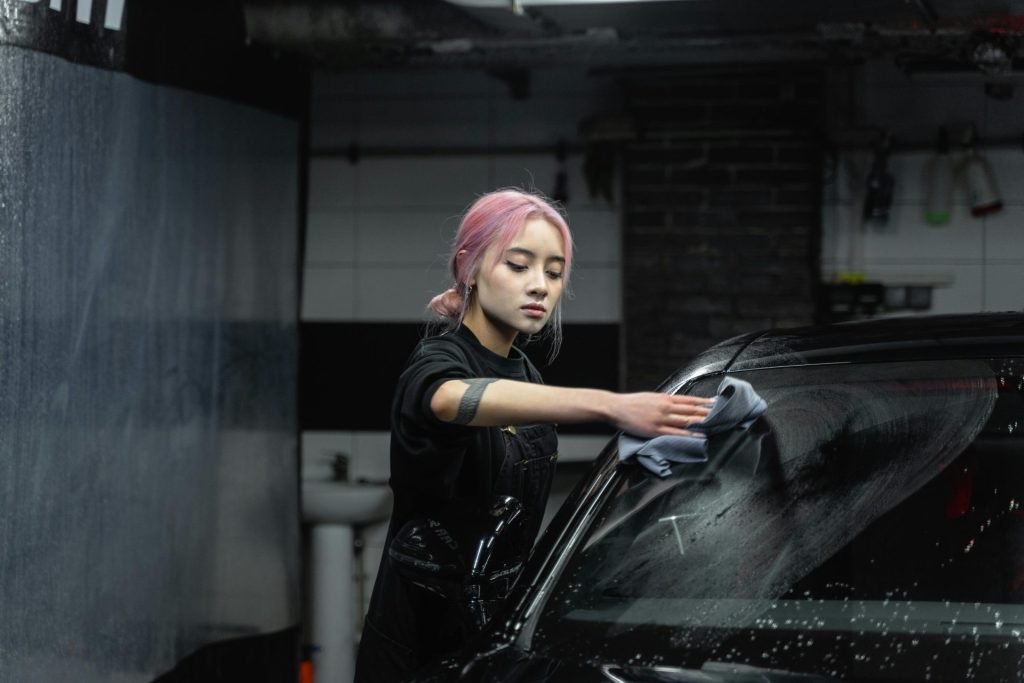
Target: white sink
(332, 502)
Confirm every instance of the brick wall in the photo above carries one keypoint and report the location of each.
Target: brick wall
(722, 219)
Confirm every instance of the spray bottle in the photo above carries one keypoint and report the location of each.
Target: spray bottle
(982, 194)
(939, 182)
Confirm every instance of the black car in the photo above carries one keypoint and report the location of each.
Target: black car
(867, 527)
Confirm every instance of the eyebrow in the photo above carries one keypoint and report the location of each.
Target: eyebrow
(527, 252)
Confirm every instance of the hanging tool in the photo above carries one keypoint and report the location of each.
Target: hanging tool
(878, 198)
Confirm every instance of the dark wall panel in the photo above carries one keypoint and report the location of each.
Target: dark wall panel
(349, 370)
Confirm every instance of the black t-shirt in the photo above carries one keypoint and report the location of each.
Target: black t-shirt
(434, 462)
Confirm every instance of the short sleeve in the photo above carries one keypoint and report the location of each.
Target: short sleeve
(431, 365)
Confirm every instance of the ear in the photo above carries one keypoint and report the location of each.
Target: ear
(458, 255)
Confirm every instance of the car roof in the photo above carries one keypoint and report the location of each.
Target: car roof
(936, 337)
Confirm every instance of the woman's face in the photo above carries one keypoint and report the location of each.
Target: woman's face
(519, 293)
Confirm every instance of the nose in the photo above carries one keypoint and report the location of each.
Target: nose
(538, 284)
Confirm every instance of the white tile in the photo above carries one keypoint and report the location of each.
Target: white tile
(905, 238)
(1008, 171)
(375, 534)
(328, 293)
(331, 184)
(397, 236)
(835, 236)
(962, 295)
(319, 449)
(449, 183)
(597, 296)
(397, 294)
(850, 171)
(580, 447)
(371, 452)
(540, 120)
(456, 120)
(908, 236)
(538, 172)
(1004, 287)
(530, 172)
(909, 172)
(597, 236)
(1004, 234)
(331, 237)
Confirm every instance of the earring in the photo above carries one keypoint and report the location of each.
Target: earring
(469, 290)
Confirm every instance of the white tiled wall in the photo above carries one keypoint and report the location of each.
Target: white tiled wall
(379, 230)
(383, 227)
(976, 263)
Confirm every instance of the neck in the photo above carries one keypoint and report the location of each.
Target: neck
(493, 338)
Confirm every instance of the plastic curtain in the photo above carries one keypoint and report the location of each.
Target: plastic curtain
(148, 325)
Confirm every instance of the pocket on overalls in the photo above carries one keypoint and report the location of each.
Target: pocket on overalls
(527, 469)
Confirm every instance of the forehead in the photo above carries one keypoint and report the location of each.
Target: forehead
(540, 237)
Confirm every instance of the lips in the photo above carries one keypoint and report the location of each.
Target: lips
(534, 310)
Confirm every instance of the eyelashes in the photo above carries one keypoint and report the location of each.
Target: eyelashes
(519, 268)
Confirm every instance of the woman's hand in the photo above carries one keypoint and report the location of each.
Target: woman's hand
(655, 414)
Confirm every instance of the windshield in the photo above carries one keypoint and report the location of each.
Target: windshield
(867, 527)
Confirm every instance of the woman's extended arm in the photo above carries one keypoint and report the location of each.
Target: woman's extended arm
(486, 402)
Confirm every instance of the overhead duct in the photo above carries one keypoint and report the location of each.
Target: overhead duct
(534, 33)
(359, 30)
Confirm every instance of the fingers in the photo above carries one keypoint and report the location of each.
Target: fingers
(673, 431)
(694, 408)
(694, 400)
(681, 421)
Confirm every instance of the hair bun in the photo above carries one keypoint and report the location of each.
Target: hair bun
(448, 303)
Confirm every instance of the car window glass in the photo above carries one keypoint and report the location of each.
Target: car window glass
(870, 516)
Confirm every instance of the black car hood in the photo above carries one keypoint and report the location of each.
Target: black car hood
(509, 665)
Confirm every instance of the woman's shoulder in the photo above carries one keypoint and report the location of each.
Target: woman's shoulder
(444, 346)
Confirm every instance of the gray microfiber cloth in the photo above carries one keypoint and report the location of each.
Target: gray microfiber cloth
(737, 405)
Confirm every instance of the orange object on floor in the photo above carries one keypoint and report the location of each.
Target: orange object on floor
(306, 672)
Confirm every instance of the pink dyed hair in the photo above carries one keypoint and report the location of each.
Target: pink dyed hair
(497, 217)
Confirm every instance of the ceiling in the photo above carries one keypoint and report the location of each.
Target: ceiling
(939, 34)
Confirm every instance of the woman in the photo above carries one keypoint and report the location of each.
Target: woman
(472, 418)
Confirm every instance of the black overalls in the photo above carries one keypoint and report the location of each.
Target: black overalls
(434, 466)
